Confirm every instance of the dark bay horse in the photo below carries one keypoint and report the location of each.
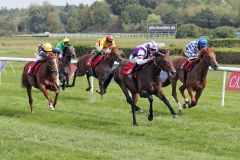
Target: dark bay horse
(196, 77)
(44, 78)
(102, 70)
(64, 65)
(148, 83)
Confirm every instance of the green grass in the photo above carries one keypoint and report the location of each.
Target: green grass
(85, 127)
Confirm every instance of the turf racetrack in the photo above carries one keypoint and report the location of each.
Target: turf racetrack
(85, 127)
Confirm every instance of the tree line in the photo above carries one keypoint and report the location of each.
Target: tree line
(120, 16)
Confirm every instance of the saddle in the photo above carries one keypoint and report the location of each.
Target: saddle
(187, 66)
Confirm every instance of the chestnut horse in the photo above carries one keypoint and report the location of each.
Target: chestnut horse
(103, 70)
(44, 78)
(148, 83)
(64, 65)
(196, 77)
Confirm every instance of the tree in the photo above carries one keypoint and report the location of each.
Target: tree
(118, 6)
(206, 19)
(153, 18)
(135, 14)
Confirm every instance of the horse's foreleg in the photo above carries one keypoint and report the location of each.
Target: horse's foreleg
(57, 91)
(89, 84)
(44, 90)
(73, 82)
(186, 101)
(195, 99)
(134, 100)
(67, 80)
(150, 114)
(29, 92)
(162, 97)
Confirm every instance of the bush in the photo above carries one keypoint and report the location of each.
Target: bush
(224, 32)
(230, 42)
(188, 31)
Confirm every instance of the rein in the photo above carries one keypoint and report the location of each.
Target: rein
(154, 62)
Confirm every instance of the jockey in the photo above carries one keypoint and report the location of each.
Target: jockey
(192, 50)
(104, 45)
(142, 54)
(62, 44)
(43, 50)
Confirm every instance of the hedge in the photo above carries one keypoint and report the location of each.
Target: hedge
(224, 56)
(229, 42)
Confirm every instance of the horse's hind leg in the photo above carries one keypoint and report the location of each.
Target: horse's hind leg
(162, 97)
(29, 92)
(174, 94)
(129, 101)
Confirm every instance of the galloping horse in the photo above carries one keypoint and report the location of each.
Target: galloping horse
(196, 77)
(102, 70)
(148, 83)
(64, 65)
(44, 78)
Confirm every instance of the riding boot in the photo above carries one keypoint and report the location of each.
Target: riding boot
(185, 72)
(130, 75)
(94, 57)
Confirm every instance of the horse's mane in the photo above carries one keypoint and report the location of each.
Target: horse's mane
(203, 52)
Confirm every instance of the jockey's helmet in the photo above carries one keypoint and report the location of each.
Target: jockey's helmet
(66, 40)
(152, 45)
(202, 42)
(47, 47)
(109, 38)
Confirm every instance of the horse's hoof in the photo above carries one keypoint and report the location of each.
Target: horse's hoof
(135, 124)
(88, 89)
(179, 112)
(150, 118)
(185, 106)
(176, 116)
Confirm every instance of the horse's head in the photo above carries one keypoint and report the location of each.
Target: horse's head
(209, 57)
(69, 51)
(52, 62)
(164, 62)
(116, 54)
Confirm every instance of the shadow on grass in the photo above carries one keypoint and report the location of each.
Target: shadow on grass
(13, 113)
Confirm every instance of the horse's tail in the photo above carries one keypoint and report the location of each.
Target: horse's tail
(24, 77)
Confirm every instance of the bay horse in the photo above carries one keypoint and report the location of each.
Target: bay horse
(64, 65)
(196, 77)
(44, 79)
(103, 70)
(148, 83)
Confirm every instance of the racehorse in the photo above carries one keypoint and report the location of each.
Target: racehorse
(64, 65)
(196, 77)
(102, 70)
(44, 78)
(147, 83)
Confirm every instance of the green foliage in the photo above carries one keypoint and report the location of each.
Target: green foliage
(224, 32)
(226, 42)
(188, 30)
(206, 19)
